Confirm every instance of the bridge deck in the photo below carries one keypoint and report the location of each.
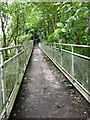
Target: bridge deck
(46, 93)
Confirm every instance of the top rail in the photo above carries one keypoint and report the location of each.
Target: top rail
(76, 70)
(7, 48)
(72, 52)
(87, 46)
(11, 74)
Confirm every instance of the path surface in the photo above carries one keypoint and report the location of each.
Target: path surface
(46, 93)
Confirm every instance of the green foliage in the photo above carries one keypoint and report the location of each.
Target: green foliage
(51, 37)
(59, 24)
(66, 22)
(24, 39)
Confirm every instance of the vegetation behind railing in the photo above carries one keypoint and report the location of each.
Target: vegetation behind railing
(12, 71)
(79, 49)
(74, 65)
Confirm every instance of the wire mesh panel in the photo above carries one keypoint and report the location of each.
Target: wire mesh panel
(76, 65)
(10, 76)
(12, 71)
(66, 62)
(81, 71)
(0, 95)
(20, 64)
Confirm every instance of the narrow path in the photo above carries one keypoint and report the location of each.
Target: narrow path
(46, 93)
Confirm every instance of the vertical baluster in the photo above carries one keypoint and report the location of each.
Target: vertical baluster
(2, 78)
(52, 49)
(55, 52)
(49, 49)
(17, 72)
(72, 62)
(61, 55)
(24, 57)
(26, 54)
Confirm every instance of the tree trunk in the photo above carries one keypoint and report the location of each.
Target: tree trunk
(4, 35)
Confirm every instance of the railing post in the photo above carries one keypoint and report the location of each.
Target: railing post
(72, 61)
(49, 49)
(2, 78)
(17, 65)
(61, 55)
(55, 45)
(25, 53)
(55, 52)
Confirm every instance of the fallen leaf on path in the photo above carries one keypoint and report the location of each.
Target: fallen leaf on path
(60, 106)
(14, 115)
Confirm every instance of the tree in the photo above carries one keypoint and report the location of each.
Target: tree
(4, 23)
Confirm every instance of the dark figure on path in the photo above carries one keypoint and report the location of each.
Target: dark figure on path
(36, 41)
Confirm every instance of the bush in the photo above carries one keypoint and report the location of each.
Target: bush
(24, 39)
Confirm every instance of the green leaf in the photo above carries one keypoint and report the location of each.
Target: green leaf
(63, 30)
(60, 106)
(59, 24)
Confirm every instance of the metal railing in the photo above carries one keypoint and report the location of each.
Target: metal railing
(74, 66)
(12, 71)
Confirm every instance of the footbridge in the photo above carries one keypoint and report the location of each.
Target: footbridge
(36, 81)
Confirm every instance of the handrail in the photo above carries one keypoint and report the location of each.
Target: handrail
(75, 45)
(12, 69)
(79, 55)
(12, 57)
(75, 70)
(6, 48)
(72, 51)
